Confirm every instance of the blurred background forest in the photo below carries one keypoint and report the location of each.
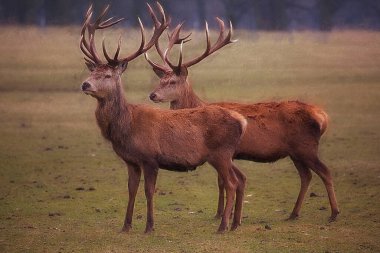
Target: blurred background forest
(244, 14)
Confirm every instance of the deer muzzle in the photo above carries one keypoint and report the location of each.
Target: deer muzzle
(85, 86)
(153, 96)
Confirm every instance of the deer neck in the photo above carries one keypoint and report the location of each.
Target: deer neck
(113, 115)
(188, 99)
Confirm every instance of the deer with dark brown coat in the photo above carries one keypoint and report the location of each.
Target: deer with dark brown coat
(148, 138)
(275, 129)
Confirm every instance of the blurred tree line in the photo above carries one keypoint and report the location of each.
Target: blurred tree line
(245, 14)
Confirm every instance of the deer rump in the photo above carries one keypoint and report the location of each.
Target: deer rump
(278, 129)
(183, 142)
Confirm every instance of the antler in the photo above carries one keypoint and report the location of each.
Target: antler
(221, 42)
(89, 48)
(173, 39)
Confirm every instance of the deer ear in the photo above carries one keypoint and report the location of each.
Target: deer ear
(159, 72)
(90, 66)
(122, 67)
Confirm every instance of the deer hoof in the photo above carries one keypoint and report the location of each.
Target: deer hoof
(149, 230)
(217, 216)
(292, 216)
(334, 216)
(221, 231)
(126, 229)
(234, 226)
(222, 228)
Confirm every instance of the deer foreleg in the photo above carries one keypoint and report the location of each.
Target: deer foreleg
(134, 174)
(150, 177)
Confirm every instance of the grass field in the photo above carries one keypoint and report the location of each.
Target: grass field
(62, 188)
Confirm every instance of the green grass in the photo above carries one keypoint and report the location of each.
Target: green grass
(50, 145)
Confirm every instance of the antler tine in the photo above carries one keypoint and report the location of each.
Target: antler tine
(84, 46)
(184, 39)
(111, 61)
(180, 56)
(88, 60)
(220, 42)
(101, 16)
(108, 23)
(221, 28)
(108, 58)
(153, 16)
(159, 28)
(85, 49)
(205, 53)
(118, 49)
(153, 64)
(159, 50)
(100, 24)
(93, 49)
(230, 34)
(167, 61)
(165, 19)
(140, 50)
(173, 38)
(156, 22)
(89, 12)
(177, 40)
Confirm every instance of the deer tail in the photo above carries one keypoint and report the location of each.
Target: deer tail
(322, 118)
(241, 119)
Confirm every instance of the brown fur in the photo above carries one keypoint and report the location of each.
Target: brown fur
(148, 139)
(274, 131)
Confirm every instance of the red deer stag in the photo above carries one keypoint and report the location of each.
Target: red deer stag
(147, 138)
(274, 131)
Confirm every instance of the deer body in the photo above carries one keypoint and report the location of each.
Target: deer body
(178, 141)
(147, 138)
(275, 130)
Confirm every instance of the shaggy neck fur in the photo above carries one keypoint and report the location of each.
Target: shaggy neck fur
(188, 99)
(114, 116)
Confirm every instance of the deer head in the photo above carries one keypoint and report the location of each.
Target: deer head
(173, 77)
(106, 75)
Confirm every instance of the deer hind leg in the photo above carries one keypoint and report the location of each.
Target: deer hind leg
(239, 197)
(305, 176)
(134, 175)
(219, 211)
(324, 173)
(225, 171)
(150, 178)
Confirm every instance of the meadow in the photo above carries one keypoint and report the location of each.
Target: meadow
(62, 188)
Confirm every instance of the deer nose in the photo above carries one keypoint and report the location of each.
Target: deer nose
(85, 86)
(152, 96)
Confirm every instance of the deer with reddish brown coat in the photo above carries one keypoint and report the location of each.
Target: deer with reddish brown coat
(275, 129)
(148, 138)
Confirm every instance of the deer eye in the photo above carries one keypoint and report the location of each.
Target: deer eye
(108, 76)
